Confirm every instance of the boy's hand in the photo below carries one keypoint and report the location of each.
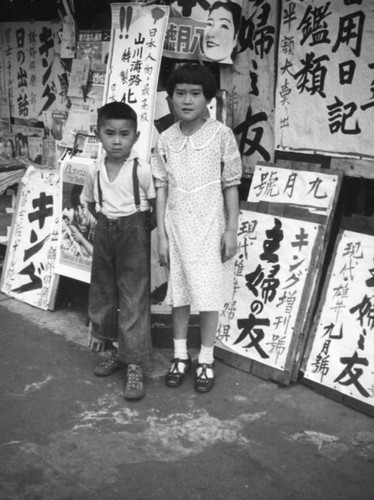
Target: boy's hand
(163, 250)
(228, 245)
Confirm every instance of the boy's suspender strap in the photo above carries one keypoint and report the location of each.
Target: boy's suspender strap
(135, 182)
(99, 190)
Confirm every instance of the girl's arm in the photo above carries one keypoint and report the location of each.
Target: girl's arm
(91, 208)
(163, 242)
(84, 243)
(229, 238)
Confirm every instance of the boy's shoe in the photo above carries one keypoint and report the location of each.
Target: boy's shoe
(203, 383)
(174, 377)
(134, 385)
(108, 366)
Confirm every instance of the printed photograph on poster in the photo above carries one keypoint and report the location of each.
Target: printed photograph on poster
(205, 31)
(93, 45)
(77, 223)
(29, 143)
(272, 267)
(29, 270)
(341, 347)
(7, 147)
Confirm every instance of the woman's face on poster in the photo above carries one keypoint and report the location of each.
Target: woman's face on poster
(219, 36)
(24, 149)
(9, 149)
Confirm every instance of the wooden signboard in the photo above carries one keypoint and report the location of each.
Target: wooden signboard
(339, 359)
(297, 194)
(29, 268)
(273, 271)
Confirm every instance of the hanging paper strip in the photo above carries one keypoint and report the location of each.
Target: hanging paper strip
(134, 60)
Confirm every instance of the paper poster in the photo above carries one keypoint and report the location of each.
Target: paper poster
(78, 82)
(35, 149)
(49, 153)
(314, 191)
(325, 90)
(271, 272)
(77, 223)
(28, 143)
(4, 100)
(68, 38)
(206, 31)
(342, 352)
(94, 46)
(134, 61)
(7, 147)
(78, 120)
(250, 83)
(33, 71)
(29, 272)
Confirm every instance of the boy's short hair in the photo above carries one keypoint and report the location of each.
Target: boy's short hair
(195, 74)
(116, 110)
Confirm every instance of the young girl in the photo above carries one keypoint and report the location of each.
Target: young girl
(197, 168)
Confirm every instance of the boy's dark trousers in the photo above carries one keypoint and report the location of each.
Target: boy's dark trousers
(119, 296)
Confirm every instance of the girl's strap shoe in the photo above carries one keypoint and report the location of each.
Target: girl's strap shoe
(203, 383)
(175, 377)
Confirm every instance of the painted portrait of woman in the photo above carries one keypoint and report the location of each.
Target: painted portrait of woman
(221, 32)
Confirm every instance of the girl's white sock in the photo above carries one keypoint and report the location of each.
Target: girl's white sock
(180, 348)
(206, 355)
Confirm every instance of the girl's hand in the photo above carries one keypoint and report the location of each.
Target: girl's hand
(228, 245)
(163, 250)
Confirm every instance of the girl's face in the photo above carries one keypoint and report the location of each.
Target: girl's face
(81, 215)
(219, 35)
(189, 103)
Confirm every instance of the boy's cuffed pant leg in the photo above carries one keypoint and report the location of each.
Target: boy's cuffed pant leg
(133, 279)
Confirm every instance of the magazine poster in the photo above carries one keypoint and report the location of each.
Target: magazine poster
(77, 223)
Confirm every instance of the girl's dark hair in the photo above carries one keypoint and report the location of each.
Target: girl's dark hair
(234, 8)
(195, 74)
(75, 195)
(116, 110)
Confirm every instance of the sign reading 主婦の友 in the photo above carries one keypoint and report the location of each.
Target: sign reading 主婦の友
(29, 269)
(341, 348)
(134, 60)
(272, 271)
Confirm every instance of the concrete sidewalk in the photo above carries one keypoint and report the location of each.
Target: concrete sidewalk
(68, 435)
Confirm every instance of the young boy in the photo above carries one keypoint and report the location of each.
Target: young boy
(119, 302)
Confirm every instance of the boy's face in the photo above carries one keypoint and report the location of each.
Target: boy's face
(118, 137)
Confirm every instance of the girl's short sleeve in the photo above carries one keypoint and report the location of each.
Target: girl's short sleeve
(158, 165)
(231, 160)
